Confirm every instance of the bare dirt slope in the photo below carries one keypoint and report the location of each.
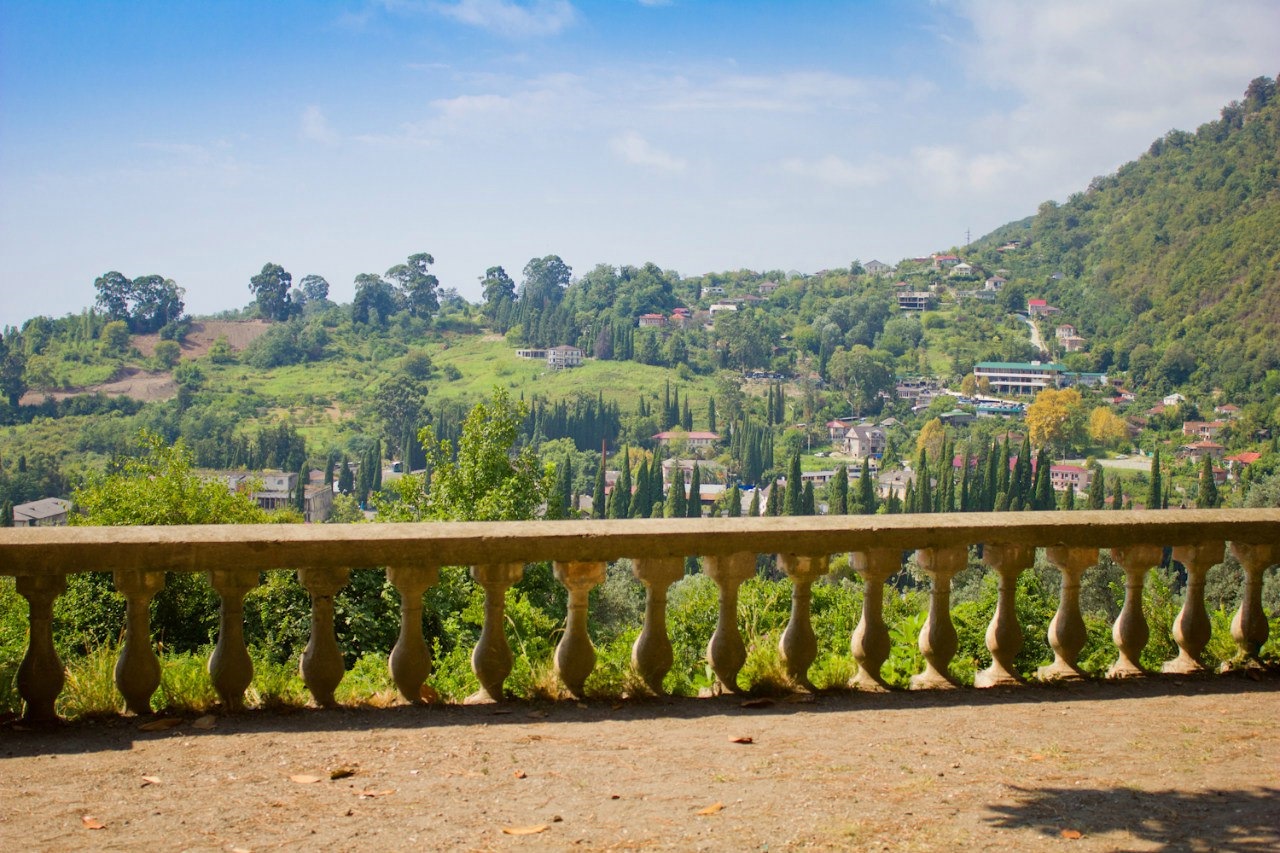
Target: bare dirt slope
(1190, 765)
(200, 337)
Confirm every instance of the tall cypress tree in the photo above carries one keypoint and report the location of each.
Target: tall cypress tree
(1044, 485)
(300, 495)
(1069, 497)
(795, 489)
(346, 483)
(375, 481)
(808, 503)
(909, 500)
(675, 505)
(622, 489)
(597, 494)
(772, 504)
(641, 503)
(1003, 474)
(694, 504)
(1117, 493)
(754, 510)
(711, 414)
(734, 507)
(1097, 488)
(838, 494)
(686, 415)
(1207, 491)
(866, 490)
(1156, 491)
(924, 490)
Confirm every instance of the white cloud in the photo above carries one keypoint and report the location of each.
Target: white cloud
(315, 126)
(837, 172)
(511, 19)
(791, 92)
(635, 149)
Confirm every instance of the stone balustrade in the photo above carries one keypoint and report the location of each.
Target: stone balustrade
(232, 557)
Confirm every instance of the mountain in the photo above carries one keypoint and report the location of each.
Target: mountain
(1171, 265)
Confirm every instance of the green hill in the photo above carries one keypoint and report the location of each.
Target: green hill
(1171, 265)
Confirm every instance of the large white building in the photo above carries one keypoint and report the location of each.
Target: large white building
(1019, 377)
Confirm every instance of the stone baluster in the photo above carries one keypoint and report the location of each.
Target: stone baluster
(797, 645)
(1191, 627)
(1130, 632)
(651, 655)
(938, 640)
(40, 675)
(1004, 634)
(1249, 626)
(491, 659)
(230, 667)
(575, 656)
(1067, 634)
(870, 640)
(138, 668)
(410, 659)
(322, 666)
(725, 651)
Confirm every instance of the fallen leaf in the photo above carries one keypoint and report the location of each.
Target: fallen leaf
(208, 721)
(342, 772)
(1071, 833)
(91, 822)
(150, 780)
(429, 694)
(741, 739)
(303, 778)
(525, 830)
(519, 774)
(160, 724)
(711, 809)
(370, 794)
(757, 703)
(615, 796)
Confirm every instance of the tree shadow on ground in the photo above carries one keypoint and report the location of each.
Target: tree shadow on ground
(1176, 820)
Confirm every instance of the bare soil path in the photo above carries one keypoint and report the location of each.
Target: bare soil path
(1148, 765)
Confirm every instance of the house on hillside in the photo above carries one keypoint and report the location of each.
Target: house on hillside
(874, 267)
(652, 321)
(46, 512)
(767, 287)
(915, 300)
(1198, 450)
(1203, 429)
(561, 357)
(1040, 308)
(536, 353)
(864, 442)
(692, 438)
(1063, 476)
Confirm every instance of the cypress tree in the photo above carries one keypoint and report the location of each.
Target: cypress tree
(1156, 491)
(769, 408)
(893, 506)
(693, 508)
(838, 494)
(711, 414)
(809, 504)
(909, 502)
(795, 490)
(1044, 485)
(991, 480)
(641, 504)
(966, 498)
(773, 503)
(622, 489)
(345, 480)
(1069, 497)
(1097, 488)
(300, 496)
(1207, 493)
(330, 462)
(376, 479)
(866, 490)
(686, 416)
(1002, 468)
(1117, 493)
(6, 514)
(924, 490)
(675, 505)
(734, 509)
(754, 510)
(597, 494)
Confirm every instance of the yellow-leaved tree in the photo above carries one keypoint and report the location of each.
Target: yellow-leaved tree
(1106, 428)
(1056, 419)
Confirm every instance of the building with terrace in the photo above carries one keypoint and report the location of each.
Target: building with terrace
(1019, 377)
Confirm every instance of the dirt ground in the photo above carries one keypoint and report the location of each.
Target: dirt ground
(1151, 765)
(201, 336)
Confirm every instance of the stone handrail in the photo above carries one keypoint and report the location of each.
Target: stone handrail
(232, 556)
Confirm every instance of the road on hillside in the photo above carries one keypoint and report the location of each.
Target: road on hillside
(1036, 340)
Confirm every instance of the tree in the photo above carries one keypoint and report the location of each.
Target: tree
(499, 293)
(598, 494)
(1053, 418)
(168, 353)
(270, 288)
(13, 367)
(838, 493)
(1106, 428)
(374, 302)
(1155, 493)
(693, 508)
(146, 303)
(932, 436)
(417, 285)
(795, 489)
(620, 505)
(1207, 491)
(861, 376)
(314, 287)
(486, 480)
(866, 490)
(115, 337)
(1097, 488)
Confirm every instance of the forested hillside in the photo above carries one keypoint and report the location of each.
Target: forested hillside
(1171, 265)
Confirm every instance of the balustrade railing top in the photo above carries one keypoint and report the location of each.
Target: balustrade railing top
(25, 551)
(233, 555)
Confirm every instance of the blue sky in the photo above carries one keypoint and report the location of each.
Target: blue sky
(201, 140)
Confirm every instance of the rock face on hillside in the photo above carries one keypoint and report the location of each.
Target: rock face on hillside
(1170, 266)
